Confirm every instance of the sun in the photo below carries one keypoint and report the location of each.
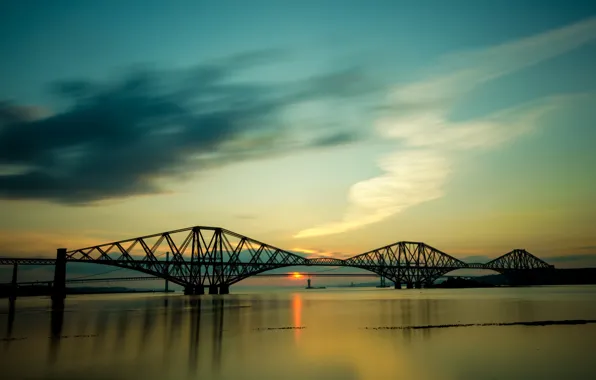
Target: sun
(296, 275)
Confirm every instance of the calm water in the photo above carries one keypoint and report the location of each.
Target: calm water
(318, 334)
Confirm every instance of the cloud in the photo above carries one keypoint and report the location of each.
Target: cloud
(573, 258)
(420, 121)
(14, 114)
(410, 178)
(246, 216)
(476, 259)
(337, 138)
(457, 74)
(313, 253)
(587, 247)
(125, 137)
(341, 84)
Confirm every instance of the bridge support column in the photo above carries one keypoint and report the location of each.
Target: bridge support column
(14, 284)
(59, 287)
(189, 290)
(224, 289)
(409, 285)
(418, 285)
(397, 285)
(167, 285)
(199, 289)
(213, 289)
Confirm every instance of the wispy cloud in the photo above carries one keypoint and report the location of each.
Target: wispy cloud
(415, 176)
(420, 121)
(310, 253)
(587, 248)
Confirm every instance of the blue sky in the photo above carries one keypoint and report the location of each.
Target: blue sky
(68, 39)
(335, 126)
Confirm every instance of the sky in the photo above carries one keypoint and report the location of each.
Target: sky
(324, 127)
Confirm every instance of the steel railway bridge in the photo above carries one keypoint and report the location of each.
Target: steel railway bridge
(212, 258)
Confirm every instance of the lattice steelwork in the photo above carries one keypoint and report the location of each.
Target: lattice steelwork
(413, 263)
(327, 261)
(200, 256)
(25, 261)
(518, 259)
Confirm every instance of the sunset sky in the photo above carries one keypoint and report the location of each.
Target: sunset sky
(327, 127)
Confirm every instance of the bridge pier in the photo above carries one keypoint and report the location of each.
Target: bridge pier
(195, 290)
(418, 285)
(198, 290)
(409, 285)
(59, 287)
(14, 284)
(167, 284)
(397, 285)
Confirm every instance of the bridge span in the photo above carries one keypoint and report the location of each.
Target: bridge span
(213, 258)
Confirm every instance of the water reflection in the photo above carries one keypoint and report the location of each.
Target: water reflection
(195, 333)
(102, 317)
(121, 329)
(297, 314)
(174, 326)
(406, 315)
(142, 325)
(9, 323)
(258, 336)
(11, 312)
(56, 323)
(148, 325)
(218, 312)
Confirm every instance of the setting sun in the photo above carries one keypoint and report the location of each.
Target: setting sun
(296, 275)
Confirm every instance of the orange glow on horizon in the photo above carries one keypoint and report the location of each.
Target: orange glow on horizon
(296, 275)
(297, 314)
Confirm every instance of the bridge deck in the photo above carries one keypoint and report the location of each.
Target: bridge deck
(315, 262)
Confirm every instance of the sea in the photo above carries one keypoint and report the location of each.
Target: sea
(544, 332)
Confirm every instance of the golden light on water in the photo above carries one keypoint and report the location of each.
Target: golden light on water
(296, 275)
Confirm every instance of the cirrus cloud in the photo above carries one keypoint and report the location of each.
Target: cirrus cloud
(420, 123)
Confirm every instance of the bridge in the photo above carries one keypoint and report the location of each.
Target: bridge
(86, 279)
(213, 258)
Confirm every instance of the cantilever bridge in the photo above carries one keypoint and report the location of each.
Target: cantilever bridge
(213, 258)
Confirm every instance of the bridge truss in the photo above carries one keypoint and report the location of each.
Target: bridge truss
(212, 258)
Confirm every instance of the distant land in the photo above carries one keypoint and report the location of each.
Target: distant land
(580, 276)
(575, 276)
(41, 290)
(460, 282)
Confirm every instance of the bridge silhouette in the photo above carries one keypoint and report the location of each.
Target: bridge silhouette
(212, 258)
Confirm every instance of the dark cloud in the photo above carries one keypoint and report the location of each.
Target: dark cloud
(346, 83)
(118, 139)
(587, 247)
(72, 89)
(246, 216)
(474, 259)
(338, 138)
(10, 114)
(572, 258)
